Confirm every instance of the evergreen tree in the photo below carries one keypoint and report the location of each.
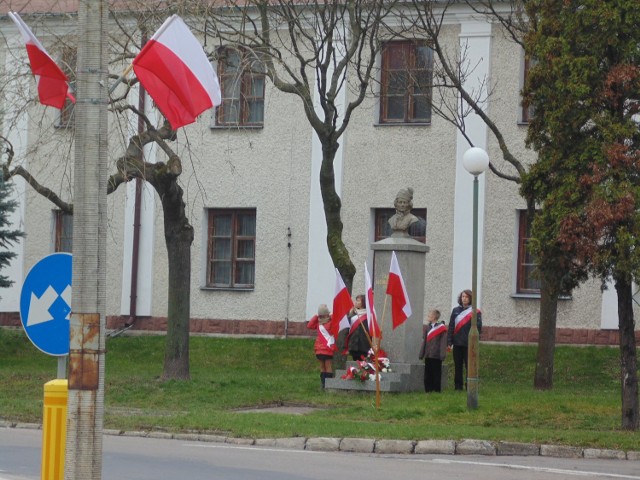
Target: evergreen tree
(8, 237)
(585, 88)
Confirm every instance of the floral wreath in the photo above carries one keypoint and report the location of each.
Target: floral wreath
(366, 367)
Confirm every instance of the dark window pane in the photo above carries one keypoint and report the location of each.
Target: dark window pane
(245, 249)
(222, 248)
(222, 225)
(245, 273)
(395, 108)
(222, 273)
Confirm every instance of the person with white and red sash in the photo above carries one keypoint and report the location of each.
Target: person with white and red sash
(434, 351)
(358, 342)
(458, 335)
(325, 343)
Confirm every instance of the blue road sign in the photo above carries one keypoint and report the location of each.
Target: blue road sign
(45, 304)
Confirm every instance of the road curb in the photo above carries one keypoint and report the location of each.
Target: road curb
(381, 446)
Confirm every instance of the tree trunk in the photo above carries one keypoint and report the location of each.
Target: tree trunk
(628, 358)
(178, 234)
(549, 289)
(332, 207)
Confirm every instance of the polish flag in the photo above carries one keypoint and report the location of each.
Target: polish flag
(372, 319)
(176, 72)
(53, 88)
(342, 304)
(400, 305)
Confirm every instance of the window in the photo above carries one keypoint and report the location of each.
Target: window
(242, 83)
(417, 231)
(231, 249)
(527, 282)
(68, 65)
(406, 82)
(63, 231)
(526, 112)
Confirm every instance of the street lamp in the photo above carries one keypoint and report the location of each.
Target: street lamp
(475, 161)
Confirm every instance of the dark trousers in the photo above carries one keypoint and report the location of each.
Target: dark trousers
(432, 375)
(460, 356)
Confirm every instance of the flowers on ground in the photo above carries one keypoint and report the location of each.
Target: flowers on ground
(365, 369)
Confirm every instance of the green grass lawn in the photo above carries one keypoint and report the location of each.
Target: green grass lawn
(583, 409)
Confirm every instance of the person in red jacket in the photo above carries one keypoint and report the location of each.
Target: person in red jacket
(325, 341)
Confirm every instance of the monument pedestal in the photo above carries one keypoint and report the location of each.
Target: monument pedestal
(402, 345)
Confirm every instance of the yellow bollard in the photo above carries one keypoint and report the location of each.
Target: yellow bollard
(54, 429)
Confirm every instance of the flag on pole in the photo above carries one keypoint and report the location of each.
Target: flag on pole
(400, 305)
(53, 88)
(342, 304)
(372, 319)
(176, 72)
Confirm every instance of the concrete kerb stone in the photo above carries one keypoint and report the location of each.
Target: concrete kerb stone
(437, 447)
(189, 437)
(240, 441)
(633, 455)
(292, 443)
(359, 445)
(323, 444)
(163, 435)
(475, 447)
(604, 454)
(515, 448)
(560, 451)
(394, 446)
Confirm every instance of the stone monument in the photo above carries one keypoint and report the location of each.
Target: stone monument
(402, 345)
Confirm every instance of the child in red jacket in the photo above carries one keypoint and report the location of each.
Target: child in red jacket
(325, 342)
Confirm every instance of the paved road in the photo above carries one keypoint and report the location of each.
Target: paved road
(135, 458)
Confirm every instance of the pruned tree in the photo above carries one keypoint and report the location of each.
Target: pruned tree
(132, 165)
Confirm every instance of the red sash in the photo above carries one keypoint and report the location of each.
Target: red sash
(435, 331)
(463, 318)
(356, 323)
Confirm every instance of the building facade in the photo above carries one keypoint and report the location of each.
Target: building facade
(260, 263)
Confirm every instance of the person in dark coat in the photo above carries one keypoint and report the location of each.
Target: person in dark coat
(358, 342)
(434, 351)
(458, 335)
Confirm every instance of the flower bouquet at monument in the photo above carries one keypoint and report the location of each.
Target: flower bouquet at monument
(365, 369)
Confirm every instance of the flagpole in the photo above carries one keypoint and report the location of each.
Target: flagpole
(376, 351)
(121, 78)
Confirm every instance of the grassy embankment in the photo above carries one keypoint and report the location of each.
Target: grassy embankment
(583, 409)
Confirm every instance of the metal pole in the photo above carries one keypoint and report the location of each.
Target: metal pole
(474, 336)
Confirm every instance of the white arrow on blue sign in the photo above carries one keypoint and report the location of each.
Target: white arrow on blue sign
(45, 304)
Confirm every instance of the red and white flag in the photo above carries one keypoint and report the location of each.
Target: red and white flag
(400, 305)
(53, 88)
(176, 72)
(372, 319)
(342, 304)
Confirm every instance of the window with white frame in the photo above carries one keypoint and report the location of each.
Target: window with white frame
(406, 82)
(242, 82)
(527, 281)
(231, 248)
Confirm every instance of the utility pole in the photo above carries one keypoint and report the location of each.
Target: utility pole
(83, 458)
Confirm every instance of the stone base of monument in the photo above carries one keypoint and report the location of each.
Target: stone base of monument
(405, 377)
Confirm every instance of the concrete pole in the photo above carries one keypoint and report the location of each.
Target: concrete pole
(83, 458)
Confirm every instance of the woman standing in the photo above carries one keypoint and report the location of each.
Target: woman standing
(458, 335)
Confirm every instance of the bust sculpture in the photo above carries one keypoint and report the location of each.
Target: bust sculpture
(403, 218)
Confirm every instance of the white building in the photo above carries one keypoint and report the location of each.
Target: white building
(260, 170)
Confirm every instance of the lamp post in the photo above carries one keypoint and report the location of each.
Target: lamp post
(475, 161)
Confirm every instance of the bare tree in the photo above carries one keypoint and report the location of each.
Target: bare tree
(312, 49)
